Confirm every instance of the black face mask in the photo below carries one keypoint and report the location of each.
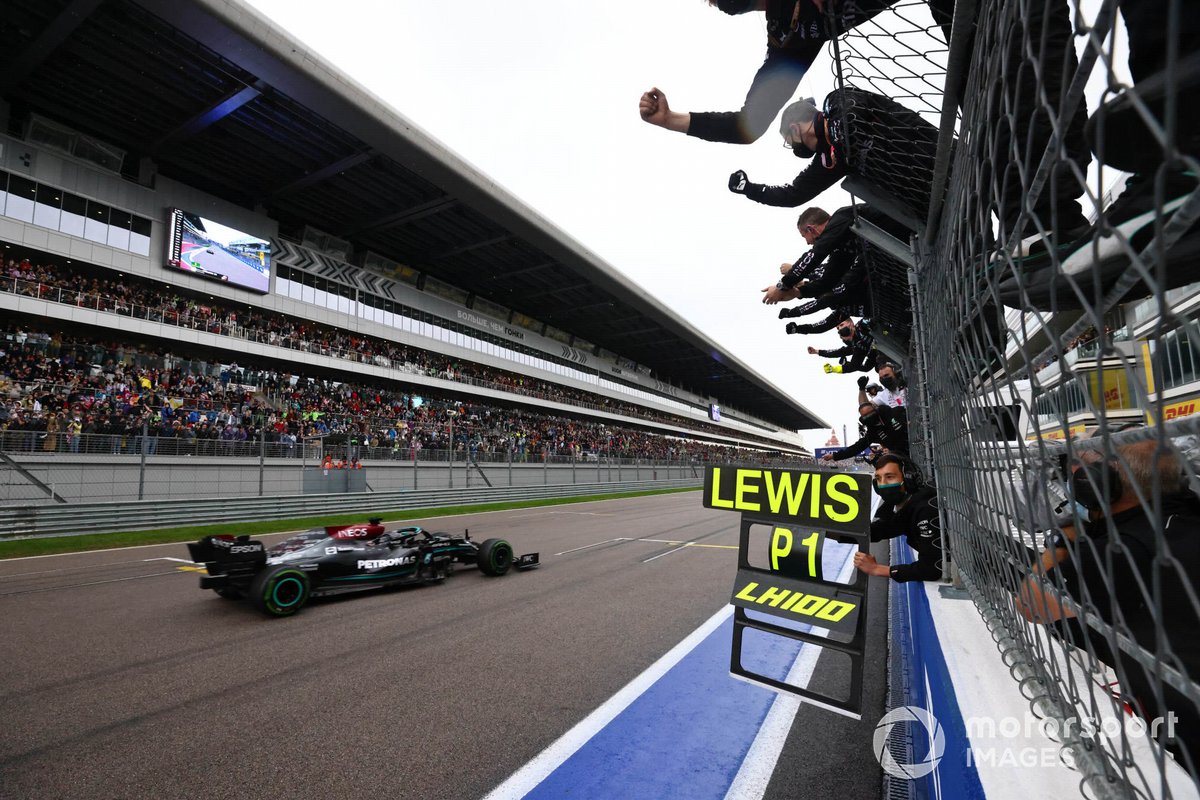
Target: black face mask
(888, 383)
(736, 6)
(845, 333)
(867, 419)
(801, 150)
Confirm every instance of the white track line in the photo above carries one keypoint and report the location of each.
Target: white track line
(586, 546)
(660, 555)
(758, 766)
(586, 513)
(168, 558)
(524, 780)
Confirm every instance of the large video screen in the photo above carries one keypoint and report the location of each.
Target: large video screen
(217, 252)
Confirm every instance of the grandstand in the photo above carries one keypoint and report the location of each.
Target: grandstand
(395, 269)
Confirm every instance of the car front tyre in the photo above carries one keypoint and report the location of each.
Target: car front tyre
(495, 557)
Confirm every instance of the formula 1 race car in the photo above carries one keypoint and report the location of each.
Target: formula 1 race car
(341, 559)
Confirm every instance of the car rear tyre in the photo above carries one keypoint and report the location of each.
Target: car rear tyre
(280, 591)
(495, 557)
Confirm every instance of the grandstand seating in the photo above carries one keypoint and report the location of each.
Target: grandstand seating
(70, 392)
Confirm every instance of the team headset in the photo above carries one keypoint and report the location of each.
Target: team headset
(1088, 485)
(910, 472)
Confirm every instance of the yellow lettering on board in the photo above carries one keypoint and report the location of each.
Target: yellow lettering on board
(836, 496)
(791, 600)
(809, 605)
(772, 596)
(781, 546)
(835, 611)
(716, 490)
(744, 594)
(784, 489)
(814, 508)
(744, 489)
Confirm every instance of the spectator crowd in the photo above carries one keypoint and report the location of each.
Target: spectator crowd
(160, 302)
(72, 393)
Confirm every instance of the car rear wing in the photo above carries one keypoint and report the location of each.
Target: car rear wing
(228, 555)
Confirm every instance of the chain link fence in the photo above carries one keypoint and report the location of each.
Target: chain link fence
(1044, 314)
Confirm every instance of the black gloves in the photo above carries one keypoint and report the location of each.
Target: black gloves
(862, 382)
(739, 182)
(792, 327)
(785, 313)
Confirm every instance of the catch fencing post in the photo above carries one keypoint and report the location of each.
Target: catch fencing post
(142, 465)
(262, 455)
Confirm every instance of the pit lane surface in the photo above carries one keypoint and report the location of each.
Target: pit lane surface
(122, 679)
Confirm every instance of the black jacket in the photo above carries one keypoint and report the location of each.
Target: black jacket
(888, 428)
(1108, 572)
(859, 353)
(837, 252)
(858, 307)
(917, 520)
(785, 65)
(880, 140)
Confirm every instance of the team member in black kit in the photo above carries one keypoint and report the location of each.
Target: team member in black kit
(833, 265)
(796, 32)
(909, 509)
(879, 425)
(894, 149)
(1128, 558)
(859, 353)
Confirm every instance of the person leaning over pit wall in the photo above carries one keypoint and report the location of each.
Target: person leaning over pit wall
(797, 31)
(858, 353)
(1128, 557)
(909, 509)
(887, 427)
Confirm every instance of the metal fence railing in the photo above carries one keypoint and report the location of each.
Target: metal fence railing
(58, 520)
(142, 467)
(1064, 185)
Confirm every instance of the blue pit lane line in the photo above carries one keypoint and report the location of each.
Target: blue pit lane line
(686, 735)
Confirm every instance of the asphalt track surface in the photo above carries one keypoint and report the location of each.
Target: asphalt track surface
(121, 679)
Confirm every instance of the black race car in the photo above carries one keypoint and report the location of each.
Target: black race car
(340, 559)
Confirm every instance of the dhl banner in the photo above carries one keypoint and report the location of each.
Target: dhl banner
(1109, 389)
(1177, 409)
(1059, 434)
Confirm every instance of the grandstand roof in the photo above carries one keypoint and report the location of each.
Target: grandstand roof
(222, 99)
